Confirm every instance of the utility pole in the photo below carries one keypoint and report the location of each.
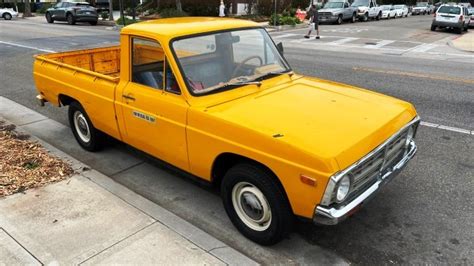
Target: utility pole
(275, 15)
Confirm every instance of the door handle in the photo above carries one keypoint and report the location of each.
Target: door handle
(129, 97)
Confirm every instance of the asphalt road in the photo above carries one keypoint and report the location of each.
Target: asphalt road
(423, 216)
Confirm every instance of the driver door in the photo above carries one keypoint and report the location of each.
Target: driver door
(154, 112)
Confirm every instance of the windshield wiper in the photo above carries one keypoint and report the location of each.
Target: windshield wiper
(273, 73)
(230, 85)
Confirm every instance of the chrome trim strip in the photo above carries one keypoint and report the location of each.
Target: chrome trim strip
(331, 216)
(326, 200)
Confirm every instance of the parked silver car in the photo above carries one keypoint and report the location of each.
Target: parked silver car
(337, 12)
(8, 13)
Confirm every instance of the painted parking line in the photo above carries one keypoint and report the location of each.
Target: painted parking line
(447, 128)
(27, 47)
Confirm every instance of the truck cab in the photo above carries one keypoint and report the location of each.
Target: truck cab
(367, 9)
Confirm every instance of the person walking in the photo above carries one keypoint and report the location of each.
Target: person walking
(313, 22)
(222, 9)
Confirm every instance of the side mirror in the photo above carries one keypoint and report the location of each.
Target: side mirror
(280, 48)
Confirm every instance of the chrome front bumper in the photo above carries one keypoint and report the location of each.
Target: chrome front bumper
(332, 216)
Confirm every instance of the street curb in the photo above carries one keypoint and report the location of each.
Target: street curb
(451, 44)
(16, 115)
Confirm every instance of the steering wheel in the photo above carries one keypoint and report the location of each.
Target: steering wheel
(239, 66)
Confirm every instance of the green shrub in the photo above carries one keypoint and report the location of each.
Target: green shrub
(283, 20)
(128, 21)
(104, 15)
(171, 13)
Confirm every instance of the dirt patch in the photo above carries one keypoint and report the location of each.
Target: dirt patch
(25, 164)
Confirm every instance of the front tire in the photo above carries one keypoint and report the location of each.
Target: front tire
(49, 18)
(256, 204)
(339, 20)
(433, 28)
(354, 17)
(70, 19)
(93, 23)
(7, 16)
(86, 135)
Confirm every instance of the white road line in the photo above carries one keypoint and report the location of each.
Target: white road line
(27, 47)
(379, 44)
(448, 128)
(342, 41)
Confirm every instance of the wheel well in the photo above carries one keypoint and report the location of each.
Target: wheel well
(65, 100)
(225, 161)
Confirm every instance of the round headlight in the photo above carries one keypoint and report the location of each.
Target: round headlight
(343, 188)
(410, 134)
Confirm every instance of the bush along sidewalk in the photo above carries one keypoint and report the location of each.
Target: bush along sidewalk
(25, 164)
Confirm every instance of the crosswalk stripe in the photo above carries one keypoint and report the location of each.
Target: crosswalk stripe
(342, 41)
(423, 47)
(379, 44)
(284, 35)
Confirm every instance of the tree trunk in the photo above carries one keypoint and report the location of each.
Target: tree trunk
(157, 4)
(178, 5)
(111, 11)
(27, 12)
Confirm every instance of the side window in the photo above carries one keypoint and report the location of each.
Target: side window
(346, 5)
(371, 4)
(59, 5)
(147, 63)
(170, 83)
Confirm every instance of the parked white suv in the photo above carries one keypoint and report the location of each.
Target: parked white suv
(456, 17)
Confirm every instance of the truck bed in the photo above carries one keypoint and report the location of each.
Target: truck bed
(102, 62)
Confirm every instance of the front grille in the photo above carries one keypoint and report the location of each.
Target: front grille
(326, 14)
(372, 168)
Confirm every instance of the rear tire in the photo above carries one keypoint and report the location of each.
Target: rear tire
(86, 135)
(256, 204)
(378, 16)
(354, 17)
(7, 16)
(70, 19)
(365, 18)
(93, 23)
(49, 18)
(433, 28)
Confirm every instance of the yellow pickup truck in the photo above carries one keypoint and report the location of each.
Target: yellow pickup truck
(217, 99)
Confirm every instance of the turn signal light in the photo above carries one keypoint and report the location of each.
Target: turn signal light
(308, 180)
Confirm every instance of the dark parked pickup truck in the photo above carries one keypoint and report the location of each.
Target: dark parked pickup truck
(72, 12)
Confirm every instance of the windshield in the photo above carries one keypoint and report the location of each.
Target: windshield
(449, 10)
(386, 7)
(334, 5)
(226, 60)
(398, 7)
(421, 4)
(361, 3)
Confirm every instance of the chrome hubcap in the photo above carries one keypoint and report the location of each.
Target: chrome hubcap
(251, 206)
(82, 127)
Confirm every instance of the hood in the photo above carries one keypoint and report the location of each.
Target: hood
(325, 119)
(330, 10)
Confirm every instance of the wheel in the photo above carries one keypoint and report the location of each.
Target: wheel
(7, 16)
(70, 19)
(378, 16)
(339, 20)
(353, 19)
(93, 23)
(256, 204)
(86, 135)
(466, 28)
(433, 27)
(459, 30)
(366, 17)
(49, 18)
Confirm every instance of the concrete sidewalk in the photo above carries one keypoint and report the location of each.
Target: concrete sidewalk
(90, 219)
(464, 42)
